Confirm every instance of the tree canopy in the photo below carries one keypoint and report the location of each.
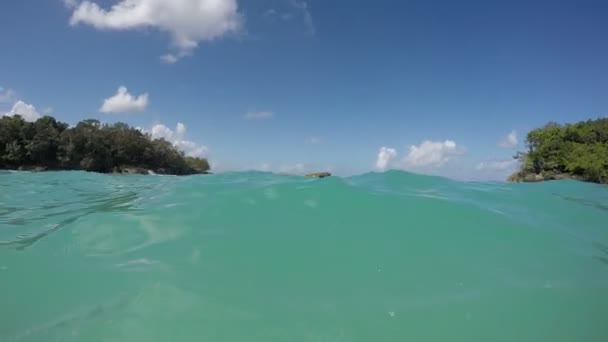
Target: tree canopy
(90, 146)
(578, 150)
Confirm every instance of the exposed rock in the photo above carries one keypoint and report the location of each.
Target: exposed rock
(533, 178)
(36, 168)
(557, 176)
(131, 170)
(318, 175)
(515, 177)
(521, 176)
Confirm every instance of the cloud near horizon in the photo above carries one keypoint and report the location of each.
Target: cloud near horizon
(27, 111)
(188, 22)
(497, 165)
(292, 168)
(428, 155)
(177, 137)
(123, 102)
(385, 157)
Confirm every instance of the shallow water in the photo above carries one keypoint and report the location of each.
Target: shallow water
(263, 257)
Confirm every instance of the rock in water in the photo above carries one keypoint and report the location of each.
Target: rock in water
(318, 175)
(533, 178)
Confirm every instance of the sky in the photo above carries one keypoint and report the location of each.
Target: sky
(437, 87)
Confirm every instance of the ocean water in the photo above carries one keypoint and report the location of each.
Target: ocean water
(263, 257)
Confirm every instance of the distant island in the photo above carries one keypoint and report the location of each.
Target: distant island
(571, 151)
(48, 144)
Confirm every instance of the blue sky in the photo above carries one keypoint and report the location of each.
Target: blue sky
(294, 85)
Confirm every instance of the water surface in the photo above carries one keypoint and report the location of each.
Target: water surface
(263, 257)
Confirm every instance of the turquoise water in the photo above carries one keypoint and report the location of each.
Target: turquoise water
(262, 257)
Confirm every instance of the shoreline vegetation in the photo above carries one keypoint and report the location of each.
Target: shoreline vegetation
(48, 144)
(554, 152)
(572, 151)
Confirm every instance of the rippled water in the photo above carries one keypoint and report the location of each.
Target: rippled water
(262, 257)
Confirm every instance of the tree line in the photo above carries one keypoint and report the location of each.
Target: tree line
(557, 151)
(90, 146)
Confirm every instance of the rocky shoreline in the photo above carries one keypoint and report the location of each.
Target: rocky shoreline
(526, 177)
(122, 170)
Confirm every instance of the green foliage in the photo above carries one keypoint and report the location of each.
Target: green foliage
(201, 165)
(579, 150)
(89, 146)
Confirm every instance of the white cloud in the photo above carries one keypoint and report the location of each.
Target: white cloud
(178, 138)
(313, 140)
(497, 169)
(169, 58)
(297, 168)
(7, 95)
(385, 157)
(123, 102)
(263, 115)
(497, 165)
(188, 22)
(27, 111)
(428, 155)
(161, 131)
(70, 3)
(431, 153)
(510, 141)
(191, 148)
(298, 10)
(302, 7)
